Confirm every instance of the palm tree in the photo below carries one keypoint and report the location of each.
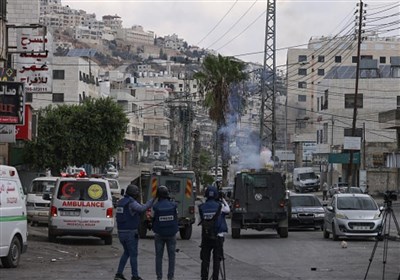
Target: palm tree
(219, 74)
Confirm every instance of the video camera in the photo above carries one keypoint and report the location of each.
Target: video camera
(390, 196)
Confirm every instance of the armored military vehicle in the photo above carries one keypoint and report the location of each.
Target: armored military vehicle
(260, 201)
(181, 191)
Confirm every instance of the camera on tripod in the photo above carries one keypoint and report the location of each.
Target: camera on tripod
(390, 196)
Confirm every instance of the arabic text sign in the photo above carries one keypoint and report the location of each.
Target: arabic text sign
(33, 64)
(12, 103)
(7, 133)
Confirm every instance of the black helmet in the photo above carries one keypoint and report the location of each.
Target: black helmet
(162, 192)
(132, 190)
(211, 192)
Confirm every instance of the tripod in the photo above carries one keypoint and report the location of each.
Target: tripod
(222, 272)
(384, 235)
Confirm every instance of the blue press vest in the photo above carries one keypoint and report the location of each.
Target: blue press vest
(165, 221)
(125, 220)
(208, 210)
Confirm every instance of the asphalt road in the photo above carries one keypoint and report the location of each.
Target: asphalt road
(304, 255)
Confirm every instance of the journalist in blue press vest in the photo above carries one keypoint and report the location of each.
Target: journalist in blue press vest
(212, 219)
(165, 227)
(128, 219)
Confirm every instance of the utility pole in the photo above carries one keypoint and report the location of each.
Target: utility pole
(350, 177)
(187, 114)
(268, 84)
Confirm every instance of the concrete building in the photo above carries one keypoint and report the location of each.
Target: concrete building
(378, 91)
(307, 67)
(136, 35)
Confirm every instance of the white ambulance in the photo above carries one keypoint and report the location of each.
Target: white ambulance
(81, 207)
(13, 222)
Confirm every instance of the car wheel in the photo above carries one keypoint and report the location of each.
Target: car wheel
(108, 240)
(14, 254)
(235, 233)
(335, 237)
(186, 232)
(326, 233)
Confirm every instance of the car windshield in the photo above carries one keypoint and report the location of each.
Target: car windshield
(305, 201)
(113, 184)
(356, 203)
(42, 186)
(305, 176)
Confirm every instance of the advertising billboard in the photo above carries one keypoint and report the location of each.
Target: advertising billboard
(12, 102)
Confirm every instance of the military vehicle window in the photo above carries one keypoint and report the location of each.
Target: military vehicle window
(82, 190)
(256, 181)
(174, 186)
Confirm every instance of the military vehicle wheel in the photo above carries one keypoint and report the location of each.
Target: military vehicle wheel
(326, 233)
(186, 232)
(335, 237)
(235, 233)
(14, 254)
(142, 231)
(108, 240)
(283, 232)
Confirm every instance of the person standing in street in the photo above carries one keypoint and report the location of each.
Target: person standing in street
(325, 191)
(212, 218)
(128, 220)
(165, 227)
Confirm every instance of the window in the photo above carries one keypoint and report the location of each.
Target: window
(302, 72)
(133, 92)
(58, 97)
(325, 135)
(28, 97)
(348, 132)
(58, 74)
(322, 103)
(302, 58)
(349, 101)
(354, 59)
(302, 98)
(3, 10)
(338, 59)
(321, 58)
(321, 72)
(325, 104)
(382, 59)
(302, 85)
(398, 102)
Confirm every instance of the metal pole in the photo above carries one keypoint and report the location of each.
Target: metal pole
(331, 150)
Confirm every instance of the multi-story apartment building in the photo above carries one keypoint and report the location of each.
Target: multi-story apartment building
(136, 35)
(129, 101)
(378, 91)
(321, 89)
(307, 67)
(173, 42)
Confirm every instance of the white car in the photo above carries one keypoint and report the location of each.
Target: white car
(112, 172)
(38, 208)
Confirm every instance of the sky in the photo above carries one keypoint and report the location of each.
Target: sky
(234, 27)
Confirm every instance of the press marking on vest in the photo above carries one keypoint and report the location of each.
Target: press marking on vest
(120, 210)
(166, 218)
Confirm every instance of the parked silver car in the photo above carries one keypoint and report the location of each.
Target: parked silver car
(352, 215)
